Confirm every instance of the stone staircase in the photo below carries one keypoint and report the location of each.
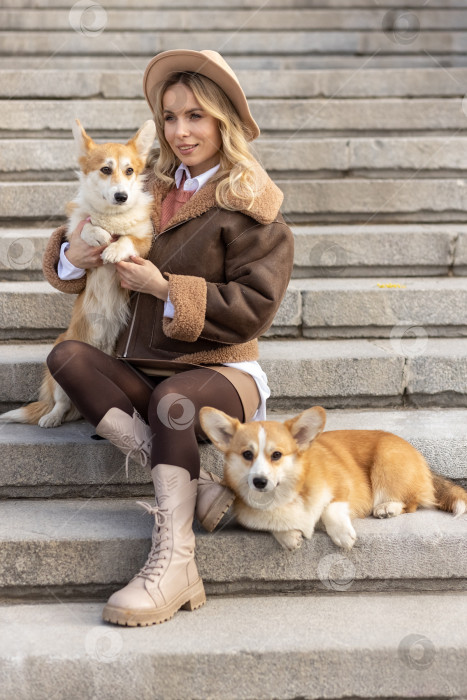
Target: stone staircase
(364, 127)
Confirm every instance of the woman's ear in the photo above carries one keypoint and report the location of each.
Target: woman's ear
(307, 426)
(218, 426)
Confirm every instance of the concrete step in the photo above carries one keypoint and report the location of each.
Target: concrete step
(320, 251)
(305, 200)
(382, 82)
(314, 308)
(259, 62)
(235, 4)
(216, 19)
(98, 40)
(223, 650)
(352, 116)
(95, 545)
(65, 462)
(55, 159)
(21, 251)
(371, 250)
(407, 369)
(339, 308)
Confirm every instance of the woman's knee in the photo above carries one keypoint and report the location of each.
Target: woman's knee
(170, 405)
(65, 355)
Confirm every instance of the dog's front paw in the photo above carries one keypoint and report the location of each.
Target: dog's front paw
(344, 538)
(289, 539)
(118, 251)
(95, 235)
(112, 254)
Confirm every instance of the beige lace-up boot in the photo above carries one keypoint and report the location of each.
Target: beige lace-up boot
(169, 580)
(133, 437)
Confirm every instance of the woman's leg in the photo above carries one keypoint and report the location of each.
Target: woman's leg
(169, 579)
(173, 415)
(96, 382)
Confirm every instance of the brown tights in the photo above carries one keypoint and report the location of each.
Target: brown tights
(96, 382)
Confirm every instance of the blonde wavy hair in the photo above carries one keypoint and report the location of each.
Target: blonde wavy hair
(236, 180)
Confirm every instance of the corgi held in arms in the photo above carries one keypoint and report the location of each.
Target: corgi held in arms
(288, 476)
(118, 212)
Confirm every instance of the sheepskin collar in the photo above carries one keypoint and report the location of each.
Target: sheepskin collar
(265, 207)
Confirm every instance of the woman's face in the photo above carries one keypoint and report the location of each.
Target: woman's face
(192, 134)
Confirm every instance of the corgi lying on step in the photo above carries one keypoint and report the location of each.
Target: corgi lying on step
(112, 198)
(288, 476)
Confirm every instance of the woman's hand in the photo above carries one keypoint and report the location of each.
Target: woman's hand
(141, 275)
(82, 255)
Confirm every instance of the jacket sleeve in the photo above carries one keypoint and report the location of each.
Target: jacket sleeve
(50, 261)
(258, 266)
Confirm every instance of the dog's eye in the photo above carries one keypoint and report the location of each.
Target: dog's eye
(248, 454)
(129, 171)
(106, 170)
(276, 455)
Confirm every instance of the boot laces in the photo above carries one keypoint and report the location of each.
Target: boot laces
(153, 566)
(139, 449)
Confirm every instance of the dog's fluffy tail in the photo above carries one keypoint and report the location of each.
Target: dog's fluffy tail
(27, 414)
(449, 496)
(33, 412)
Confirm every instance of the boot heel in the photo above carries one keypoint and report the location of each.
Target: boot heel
(197, 599)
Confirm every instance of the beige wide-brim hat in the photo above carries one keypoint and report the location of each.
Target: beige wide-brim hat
(208, 63)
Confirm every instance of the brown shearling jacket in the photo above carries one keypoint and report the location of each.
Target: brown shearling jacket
(227, 271)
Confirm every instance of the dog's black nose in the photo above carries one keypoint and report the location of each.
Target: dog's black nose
(259, 482)
(121, 197)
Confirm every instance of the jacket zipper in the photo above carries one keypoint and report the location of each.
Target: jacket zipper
(125, 353)
(137, 301)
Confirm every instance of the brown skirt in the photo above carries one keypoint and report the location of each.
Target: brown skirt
(243, 382)
(246, 387)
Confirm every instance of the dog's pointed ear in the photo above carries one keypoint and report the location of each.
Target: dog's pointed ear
(307, 426)
(143, 140)
(218, 426)
(83, 142)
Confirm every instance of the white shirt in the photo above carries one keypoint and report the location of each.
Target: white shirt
(193, 183)
(67, 271)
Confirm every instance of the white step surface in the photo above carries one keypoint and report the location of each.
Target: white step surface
(81, 545)
(379, 646)
(127, 82)
(65, 461)
(341, 250)
(313, 308)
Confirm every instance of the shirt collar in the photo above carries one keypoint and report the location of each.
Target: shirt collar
(193, 183)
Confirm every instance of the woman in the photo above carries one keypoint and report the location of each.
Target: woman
(217, 271)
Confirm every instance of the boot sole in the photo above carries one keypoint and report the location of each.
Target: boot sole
(217, 511)
(190, 599)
